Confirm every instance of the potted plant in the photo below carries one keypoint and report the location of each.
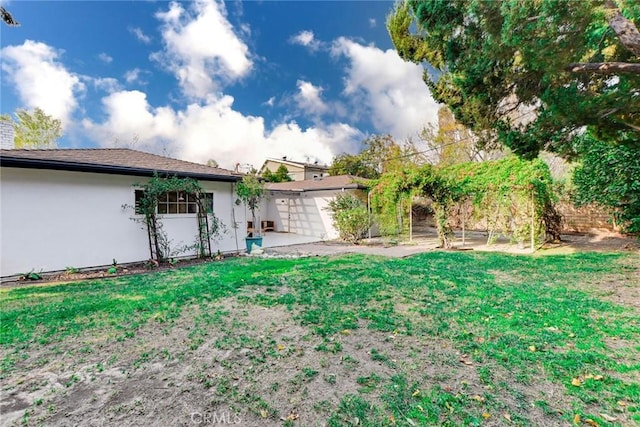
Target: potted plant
(251, 191)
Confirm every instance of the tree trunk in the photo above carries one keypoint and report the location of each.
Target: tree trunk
(604, 67)
(625, 29)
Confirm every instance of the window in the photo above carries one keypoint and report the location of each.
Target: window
(176, 202)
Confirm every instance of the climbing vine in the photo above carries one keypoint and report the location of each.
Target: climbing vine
(208, 225)
(511, 196)
(405, 183)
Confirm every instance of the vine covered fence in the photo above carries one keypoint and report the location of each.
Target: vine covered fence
(511, 197)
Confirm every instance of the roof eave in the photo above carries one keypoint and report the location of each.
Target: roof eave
(8, 161)
(340, 187)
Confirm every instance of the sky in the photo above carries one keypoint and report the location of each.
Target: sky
(236, 82)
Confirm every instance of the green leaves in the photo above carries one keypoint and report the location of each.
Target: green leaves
(609, 175)
(350, 217)
(36, 129)
(251, 191)
(507, 69)
(281, 175)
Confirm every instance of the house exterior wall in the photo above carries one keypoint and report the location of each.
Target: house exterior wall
(50, 220)
(304, 213)
(311, 173)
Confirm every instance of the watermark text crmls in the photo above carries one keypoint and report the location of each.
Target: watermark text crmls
(215, 417)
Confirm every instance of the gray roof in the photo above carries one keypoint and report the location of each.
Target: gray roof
(122, 161)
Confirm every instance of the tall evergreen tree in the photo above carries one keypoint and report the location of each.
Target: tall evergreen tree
(531, 74)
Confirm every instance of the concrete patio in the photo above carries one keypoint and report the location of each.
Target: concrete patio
(274, 239)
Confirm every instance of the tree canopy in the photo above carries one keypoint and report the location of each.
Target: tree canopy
(251, 191)
(451, 141)
(280, 175)
(380, 154)
(531, 74)
(36, 129)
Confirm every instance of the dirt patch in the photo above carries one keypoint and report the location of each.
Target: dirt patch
(238, 362)
(234, 361)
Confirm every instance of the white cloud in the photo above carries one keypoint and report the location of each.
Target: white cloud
(309, 98)
(213, 129)
(372, 22)
(105, 58)
(140, 35)
(391, 91)
(41, 80)
(270, 102)
(135, 76)
(307, 39)
(107, 84)
(201, 48)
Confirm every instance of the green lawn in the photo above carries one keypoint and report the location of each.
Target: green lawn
(443, 338)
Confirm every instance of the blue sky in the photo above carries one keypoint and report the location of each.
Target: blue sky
(236, 82)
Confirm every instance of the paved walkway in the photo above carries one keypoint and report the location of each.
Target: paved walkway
(336, 248)
(378, 246)
(476, 241)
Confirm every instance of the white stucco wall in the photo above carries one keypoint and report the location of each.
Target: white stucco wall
(50, 220)
(303, 214)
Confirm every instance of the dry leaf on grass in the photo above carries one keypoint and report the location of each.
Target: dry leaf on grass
(465, 361)
(293, 415)
(608, 417)
(576, 382)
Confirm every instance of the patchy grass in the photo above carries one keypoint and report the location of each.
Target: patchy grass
(442, 338)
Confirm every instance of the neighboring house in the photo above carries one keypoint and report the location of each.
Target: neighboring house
(64, 208)
(297, 171)
(300, 206)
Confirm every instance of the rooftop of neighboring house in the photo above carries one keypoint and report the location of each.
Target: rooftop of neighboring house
(286, 161)
(317, 184)
(121, 161)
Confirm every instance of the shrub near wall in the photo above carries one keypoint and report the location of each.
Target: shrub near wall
(350, 217)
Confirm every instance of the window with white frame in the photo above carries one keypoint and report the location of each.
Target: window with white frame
(177, 202)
